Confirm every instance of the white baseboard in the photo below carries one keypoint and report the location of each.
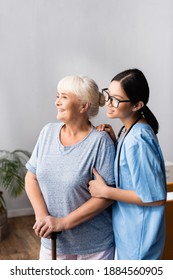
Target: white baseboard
(20, 212)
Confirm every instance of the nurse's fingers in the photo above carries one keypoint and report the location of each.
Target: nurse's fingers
(96, 174)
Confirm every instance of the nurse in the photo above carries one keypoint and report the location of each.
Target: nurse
(140, 193)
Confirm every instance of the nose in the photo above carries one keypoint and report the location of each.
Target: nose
(57, 101)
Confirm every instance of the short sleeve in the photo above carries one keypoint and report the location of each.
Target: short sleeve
(31, 165)
(105, 160)
(146, 167)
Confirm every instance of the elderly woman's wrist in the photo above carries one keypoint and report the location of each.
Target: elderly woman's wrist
(41, 217)
(65, 223)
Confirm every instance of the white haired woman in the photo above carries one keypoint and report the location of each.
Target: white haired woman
(59, 171)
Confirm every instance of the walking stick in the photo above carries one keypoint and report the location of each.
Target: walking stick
(53, 244)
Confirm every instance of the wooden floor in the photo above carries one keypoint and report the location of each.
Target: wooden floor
(21, 243)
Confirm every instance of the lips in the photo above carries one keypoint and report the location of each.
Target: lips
(60, 110)
(110, 111)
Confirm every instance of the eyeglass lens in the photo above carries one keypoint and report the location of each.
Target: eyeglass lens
(112, 99)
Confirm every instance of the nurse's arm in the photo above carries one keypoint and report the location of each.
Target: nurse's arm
(99, 189)
(128, 196)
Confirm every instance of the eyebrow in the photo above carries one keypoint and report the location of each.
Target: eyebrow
(62, 93)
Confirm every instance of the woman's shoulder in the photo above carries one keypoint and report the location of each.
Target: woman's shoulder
(142, 133)
(51, 127)
(102, 136)
(143, 130)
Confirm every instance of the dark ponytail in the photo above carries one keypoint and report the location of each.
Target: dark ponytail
(136, 88)
(150, 118)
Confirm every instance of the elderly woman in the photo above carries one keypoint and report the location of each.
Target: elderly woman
(59, 171)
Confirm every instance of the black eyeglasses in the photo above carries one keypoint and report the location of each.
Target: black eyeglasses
(114, 101)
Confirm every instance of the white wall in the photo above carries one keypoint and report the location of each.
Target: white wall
(45, 40)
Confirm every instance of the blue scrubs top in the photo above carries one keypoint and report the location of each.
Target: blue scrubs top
(140, 230)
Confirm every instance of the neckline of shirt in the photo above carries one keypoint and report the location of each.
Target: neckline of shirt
(67, 148)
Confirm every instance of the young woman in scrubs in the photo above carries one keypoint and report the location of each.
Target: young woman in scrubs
(140, 193)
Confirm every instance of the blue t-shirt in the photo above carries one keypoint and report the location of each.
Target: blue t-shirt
(140, 230)
(63, 173)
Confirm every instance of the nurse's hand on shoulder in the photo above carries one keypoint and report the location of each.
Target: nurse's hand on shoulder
(108, 128)
(98, 186)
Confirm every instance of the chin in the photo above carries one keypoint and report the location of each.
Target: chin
(59, 118)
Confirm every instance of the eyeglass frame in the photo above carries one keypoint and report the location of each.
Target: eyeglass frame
(113, 97)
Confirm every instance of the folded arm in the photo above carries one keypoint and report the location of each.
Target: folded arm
(45, 224)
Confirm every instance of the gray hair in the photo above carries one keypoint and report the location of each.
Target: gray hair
(85, 89)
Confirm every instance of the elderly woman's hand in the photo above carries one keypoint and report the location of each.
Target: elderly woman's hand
(45, 226)
(98, 186)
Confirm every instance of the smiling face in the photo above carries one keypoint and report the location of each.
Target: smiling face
(68, 106)
(124, 109)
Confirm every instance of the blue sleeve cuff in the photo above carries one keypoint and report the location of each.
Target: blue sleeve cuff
(30, 168)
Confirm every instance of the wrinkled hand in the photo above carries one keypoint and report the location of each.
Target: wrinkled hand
(97, 186)
(108, 128)
(45, 226)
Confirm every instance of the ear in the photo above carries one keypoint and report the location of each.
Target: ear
(138, 106)
(84, 107)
